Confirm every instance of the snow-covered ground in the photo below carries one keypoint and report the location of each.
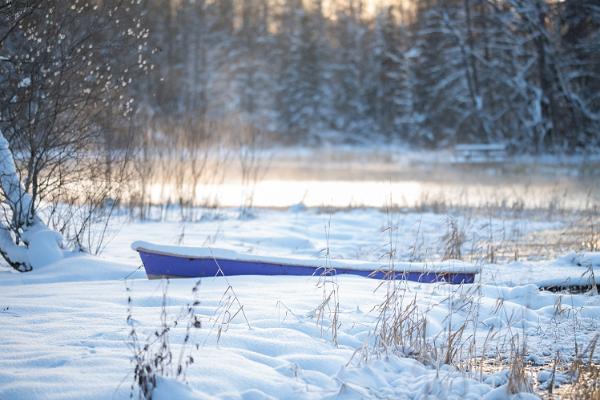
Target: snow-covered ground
(64, 335)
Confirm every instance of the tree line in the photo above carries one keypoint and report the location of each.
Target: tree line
(427, 72)
(430, 73)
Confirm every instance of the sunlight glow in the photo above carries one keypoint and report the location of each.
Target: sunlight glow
(380, 194)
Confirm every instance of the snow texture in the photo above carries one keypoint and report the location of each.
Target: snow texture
(63, 333)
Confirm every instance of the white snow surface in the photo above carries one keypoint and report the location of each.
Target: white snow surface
(63, 330)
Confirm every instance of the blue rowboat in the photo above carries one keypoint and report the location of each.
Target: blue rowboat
(190, 262)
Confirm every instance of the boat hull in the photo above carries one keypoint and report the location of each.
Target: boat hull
(166, 265)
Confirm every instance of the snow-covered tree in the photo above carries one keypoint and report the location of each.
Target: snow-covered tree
(302, 90)
(392, 96)
(25, 241)
(350, 68)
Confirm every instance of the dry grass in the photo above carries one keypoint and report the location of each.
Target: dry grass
(401, 326)
(327, 313)
(587, 385)
(401, 329)
(229, 308)
(585, 374)
(453, 240)
(591, 237)
(153, 356)
(519, 380)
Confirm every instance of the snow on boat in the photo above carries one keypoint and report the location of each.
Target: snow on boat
(193, 262)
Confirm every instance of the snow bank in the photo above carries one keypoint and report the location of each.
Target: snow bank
(44, 248)
(64, 336)
(67, 340)
(167, 389)
(582, 259)
(75, 268)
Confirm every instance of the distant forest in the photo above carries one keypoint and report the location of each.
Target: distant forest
(430, 73)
